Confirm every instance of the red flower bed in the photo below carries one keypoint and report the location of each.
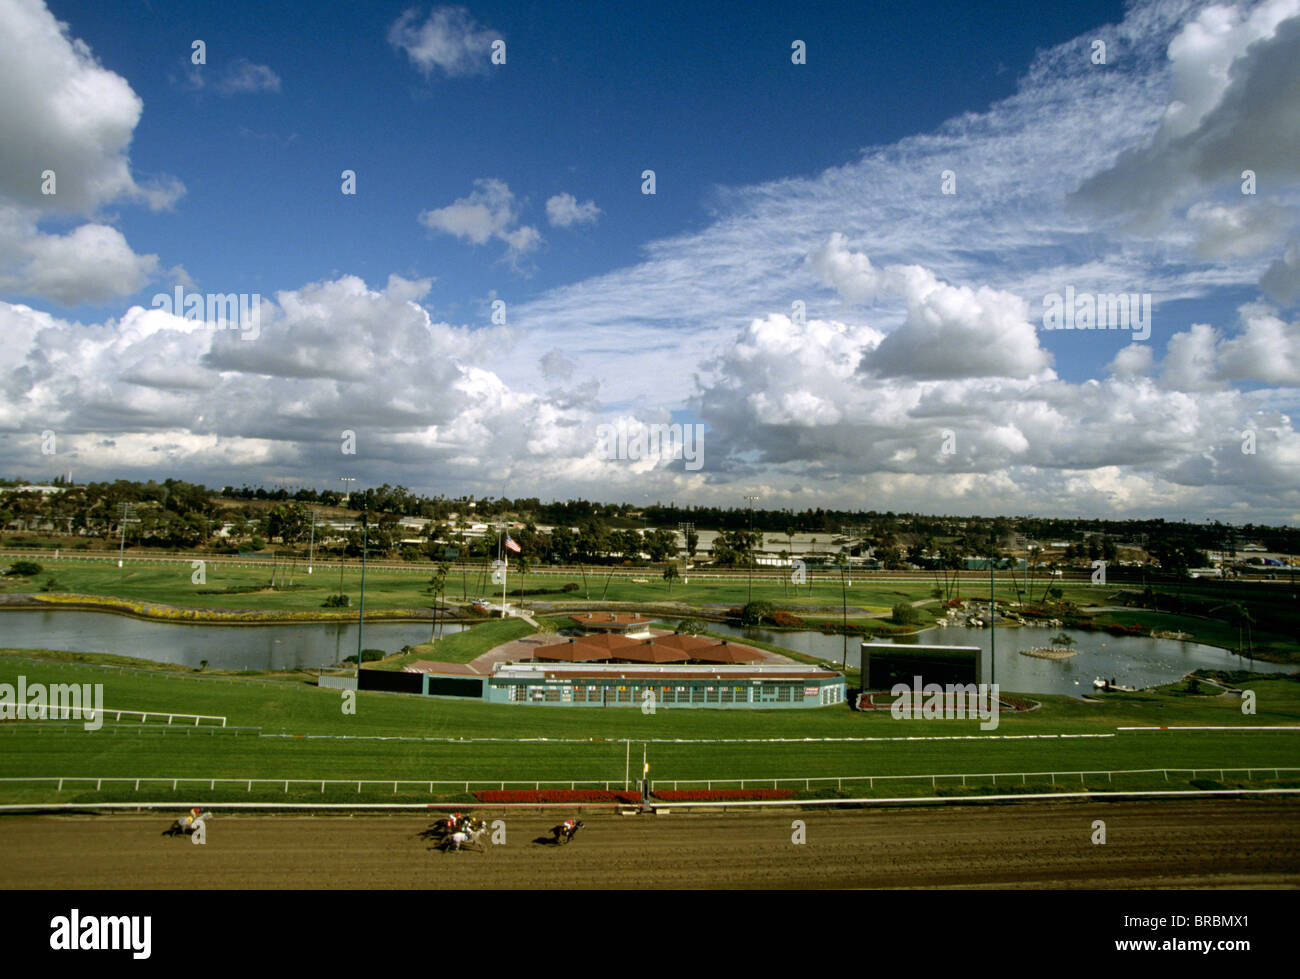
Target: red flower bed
(1129, 629)
(786, 618)
(557, 795)
(722, 795)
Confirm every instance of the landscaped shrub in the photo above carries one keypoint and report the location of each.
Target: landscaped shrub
(788, 619)
(367, 656)
(24, 569)
(336, 601)
(756, 613)
(570, 586)
(905, 614)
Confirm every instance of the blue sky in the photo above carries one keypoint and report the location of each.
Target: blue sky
(587, 102)
(919, 375)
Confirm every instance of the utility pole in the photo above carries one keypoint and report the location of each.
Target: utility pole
(750, 546)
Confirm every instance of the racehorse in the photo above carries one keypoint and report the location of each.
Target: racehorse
(566, 831)
(187, 824)
(456, 822)
(467, 837)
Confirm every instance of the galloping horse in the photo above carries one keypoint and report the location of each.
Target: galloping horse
(566, 830)
(187, 824)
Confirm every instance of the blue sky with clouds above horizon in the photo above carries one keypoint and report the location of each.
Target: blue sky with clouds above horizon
(920, 376)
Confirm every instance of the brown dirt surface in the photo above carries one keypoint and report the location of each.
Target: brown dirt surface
(1176, 844)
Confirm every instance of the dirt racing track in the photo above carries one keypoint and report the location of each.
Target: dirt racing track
(1196, 843)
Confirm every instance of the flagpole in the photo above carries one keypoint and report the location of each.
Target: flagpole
(505, 571)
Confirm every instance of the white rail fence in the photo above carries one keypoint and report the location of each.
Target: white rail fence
(88, 713)
(469, 785)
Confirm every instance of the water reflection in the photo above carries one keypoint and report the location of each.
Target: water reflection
(1130, 660)
(243, 647)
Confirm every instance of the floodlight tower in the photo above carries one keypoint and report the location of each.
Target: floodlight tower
(686, 529)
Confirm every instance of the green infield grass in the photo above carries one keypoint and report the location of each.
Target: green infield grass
(286, 729)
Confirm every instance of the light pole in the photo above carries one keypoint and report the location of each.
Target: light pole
(993, 618)
(344, 480)
(749, 548)
(844, 620)
(361, 610)
(311, 545)
(128, 516)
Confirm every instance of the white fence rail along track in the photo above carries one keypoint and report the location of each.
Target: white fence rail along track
(471, 785)
(788, 804)
(88, 713)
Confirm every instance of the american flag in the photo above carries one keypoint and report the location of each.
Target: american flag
(511, 545)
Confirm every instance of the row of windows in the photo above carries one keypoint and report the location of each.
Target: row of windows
(779, 693)
(833, 694)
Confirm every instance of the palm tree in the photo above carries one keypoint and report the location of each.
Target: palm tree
(522, 562)
(1239, 616)
(437, 584)
(670, 575)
